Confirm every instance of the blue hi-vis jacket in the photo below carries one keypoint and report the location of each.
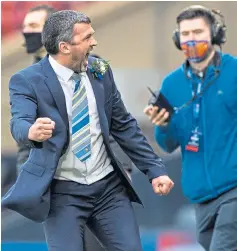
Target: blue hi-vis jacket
(213, 169)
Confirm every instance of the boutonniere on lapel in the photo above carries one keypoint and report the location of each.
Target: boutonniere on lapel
(98, 68)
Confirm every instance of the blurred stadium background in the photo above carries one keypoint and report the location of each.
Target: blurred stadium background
(136, 38)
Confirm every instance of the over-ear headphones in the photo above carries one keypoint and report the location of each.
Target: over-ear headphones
(218, 28)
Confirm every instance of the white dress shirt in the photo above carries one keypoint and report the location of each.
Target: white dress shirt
(99, 164)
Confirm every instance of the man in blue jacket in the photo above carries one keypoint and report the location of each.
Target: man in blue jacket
(204, 125)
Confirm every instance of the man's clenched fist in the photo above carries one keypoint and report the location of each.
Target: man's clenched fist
(41, 130)
(162, 185)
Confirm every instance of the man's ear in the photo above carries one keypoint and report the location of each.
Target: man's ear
(64, 48)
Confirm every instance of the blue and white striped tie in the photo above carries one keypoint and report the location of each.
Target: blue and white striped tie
(81, 138)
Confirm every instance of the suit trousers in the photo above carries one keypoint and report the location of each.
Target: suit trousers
(103, 206)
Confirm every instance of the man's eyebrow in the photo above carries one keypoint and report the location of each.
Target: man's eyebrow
(185, 31)
(31, 23)
(89, 35)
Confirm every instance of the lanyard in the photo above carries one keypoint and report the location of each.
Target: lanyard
(193, 143)
(196, 96)
(197, 105)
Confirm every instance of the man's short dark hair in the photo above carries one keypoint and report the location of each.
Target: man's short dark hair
(48, 9)
(193, 12)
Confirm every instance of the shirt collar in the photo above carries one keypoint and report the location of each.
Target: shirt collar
(61, 71)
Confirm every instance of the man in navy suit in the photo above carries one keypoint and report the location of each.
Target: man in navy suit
(65, 107)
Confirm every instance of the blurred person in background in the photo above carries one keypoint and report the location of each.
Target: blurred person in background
(32, 29)
(65, 107)
(204, 125)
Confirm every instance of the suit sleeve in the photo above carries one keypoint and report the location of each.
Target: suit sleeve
(23, 109)
(121, 155)
(126, 132)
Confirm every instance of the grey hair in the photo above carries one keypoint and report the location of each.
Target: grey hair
(59, 28)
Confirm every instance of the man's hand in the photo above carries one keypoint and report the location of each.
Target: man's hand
(162, 185)
(157, 118)
(41, 130)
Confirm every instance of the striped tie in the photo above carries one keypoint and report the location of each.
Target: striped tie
(81, 138)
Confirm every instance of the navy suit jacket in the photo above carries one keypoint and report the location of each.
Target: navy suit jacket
(36, 92)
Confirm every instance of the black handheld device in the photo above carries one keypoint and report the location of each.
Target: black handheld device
(158, 99)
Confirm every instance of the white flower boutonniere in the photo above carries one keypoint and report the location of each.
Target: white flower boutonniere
(98, 68)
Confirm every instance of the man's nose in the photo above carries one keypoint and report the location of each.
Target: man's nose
(93, 42)
(191, 36)
(27, 29)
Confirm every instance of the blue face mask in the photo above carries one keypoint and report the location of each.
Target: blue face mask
(196, 51)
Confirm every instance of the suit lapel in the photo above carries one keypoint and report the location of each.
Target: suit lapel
(55, 89)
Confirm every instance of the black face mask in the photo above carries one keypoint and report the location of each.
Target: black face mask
(32, 41)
